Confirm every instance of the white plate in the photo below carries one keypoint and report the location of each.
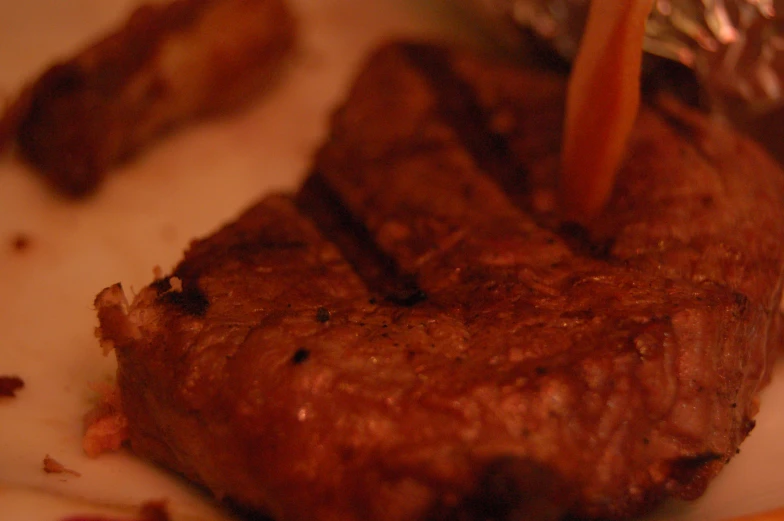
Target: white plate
(144, 216)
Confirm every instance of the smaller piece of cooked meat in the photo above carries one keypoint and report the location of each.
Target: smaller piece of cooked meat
(167, 64)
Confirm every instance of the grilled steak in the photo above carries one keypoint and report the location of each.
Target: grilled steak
(417, 334)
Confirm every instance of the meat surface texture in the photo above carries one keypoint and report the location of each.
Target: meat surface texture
(169, 63)
(418, 335)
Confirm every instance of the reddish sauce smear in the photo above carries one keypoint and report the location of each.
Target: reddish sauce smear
(149, 511)
(52, 466)
(9, 385)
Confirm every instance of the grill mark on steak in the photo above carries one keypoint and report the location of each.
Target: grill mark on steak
(457, 105)
(377, 270)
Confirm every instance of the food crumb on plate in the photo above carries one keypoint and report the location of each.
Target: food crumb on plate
(20, 242)
(52, 466)
(9, 385)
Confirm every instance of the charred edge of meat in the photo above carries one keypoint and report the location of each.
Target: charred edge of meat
(161, 286)
(459, 108)
(688, 470)
(190, 300)
(380, 272)
(579, 240)
(512, 489)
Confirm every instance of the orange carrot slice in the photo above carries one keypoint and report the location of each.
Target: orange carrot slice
(771, 515)
(602, 102)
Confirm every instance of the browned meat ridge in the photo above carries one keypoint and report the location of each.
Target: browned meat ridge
(167, 64)
(416, 335)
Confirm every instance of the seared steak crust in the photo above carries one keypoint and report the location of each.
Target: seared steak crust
(417, 334)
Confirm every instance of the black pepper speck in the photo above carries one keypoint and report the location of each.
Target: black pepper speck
(322, 315)
(300, 356)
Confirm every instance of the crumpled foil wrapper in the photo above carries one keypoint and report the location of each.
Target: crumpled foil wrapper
(735, 47)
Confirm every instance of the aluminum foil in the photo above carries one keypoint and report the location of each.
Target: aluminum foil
(735, 47)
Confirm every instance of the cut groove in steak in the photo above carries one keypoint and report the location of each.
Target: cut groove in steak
(611, 366)
(458, 107)
(380, 272)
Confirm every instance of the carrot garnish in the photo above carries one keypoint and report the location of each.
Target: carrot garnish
(602, 102)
